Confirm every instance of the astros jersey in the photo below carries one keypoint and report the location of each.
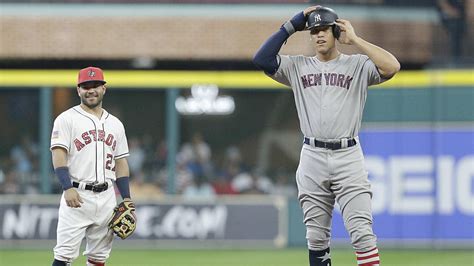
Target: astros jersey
(93, 144)
(329, 96)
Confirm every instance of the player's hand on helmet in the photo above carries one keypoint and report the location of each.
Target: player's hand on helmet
(309, 10)
(72, 198)
(299, 20)
(348, 35)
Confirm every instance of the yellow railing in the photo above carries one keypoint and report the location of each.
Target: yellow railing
(223, 79)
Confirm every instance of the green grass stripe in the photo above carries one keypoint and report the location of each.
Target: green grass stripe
(285, 257)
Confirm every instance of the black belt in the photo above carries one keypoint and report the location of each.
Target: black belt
(329, 145)
(98, 187)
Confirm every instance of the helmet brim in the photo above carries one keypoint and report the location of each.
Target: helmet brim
(321, 24)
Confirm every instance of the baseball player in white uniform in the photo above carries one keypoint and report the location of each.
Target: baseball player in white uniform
(330, 91)
(89, 149)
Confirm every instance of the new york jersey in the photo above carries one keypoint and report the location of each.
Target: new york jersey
(92, 144)
(329, 96)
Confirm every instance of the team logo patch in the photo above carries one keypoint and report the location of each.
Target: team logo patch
(318, 17)
(55, 134)
(91, 73)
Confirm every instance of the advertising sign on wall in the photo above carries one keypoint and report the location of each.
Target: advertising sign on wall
(261, 220)
(423, 183)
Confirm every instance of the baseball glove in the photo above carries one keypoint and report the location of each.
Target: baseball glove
(124, 221)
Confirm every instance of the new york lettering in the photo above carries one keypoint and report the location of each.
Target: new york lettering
(329, 79)
(91, 135)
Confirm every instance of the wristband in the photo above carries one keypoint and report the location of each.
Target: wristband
(288, 26)
(123, 186)
(63, 175)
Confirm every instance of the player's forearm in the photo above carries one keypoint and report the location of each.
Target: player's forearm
(59, 157)
(387, 64)
(121, 168)
(266, 56)
(123, 180)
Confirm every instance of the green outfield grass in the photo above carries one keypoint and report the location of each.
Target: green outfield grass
(287, 257)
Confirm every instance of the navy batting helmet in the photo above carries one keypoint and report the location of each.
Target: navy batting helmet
(324, 16)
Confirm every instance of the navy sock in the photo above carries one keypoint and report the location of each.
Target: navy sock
(59, 263)
(320, 257)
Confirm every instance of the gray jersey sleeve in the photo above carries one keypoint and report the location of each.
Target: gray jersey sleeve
(373, 75)
(285, 69)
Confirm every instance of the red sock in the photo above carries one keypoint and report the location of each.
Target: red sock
(368, 258)
(96, 263)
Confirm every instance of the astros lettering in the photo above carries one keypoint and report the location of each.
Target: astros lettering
(330, 79)
(96, 136)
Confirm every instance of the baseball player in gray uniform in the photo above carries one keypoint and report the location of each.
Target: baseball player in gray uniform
(330, 91)
(89, 149)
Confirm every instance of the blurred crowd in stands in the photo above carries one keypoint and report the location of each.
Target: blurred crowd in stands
(19, 172)
(198, 174)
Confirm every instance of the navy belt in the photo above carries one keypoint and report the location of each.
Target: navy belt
(329, 145)
(98, 187)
